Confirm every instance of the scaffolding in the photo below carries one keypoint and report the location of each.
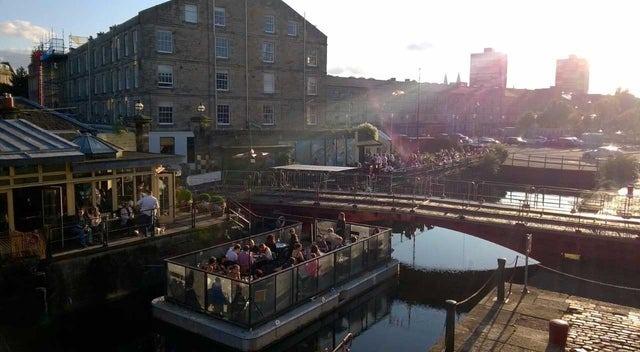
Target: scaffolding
(47, 71)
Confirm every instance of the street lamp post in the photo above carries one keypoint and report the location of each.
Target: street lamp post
(141, 124)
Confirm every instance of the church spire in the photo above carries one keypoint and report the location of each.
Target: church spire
(458, 81)
(446, 80)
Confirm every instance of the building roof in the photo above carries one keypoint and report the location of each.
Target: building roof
(22, 142)
(128, 160)
(320, 168)
(94, 146)
(47, 119)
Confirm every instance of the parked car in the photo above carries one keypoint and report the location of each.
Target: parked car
(515, 141)
(610, 151)
(565, 142)
(539, 141)
(487, 141)
(462, 139)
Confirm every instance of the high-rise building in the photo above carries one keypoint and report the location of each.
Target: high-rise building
(253, 64)
(488, 69)
(572, 75)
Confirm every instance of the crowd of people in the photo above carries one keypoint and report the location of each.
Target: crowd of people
(390, 162)
(138, 219)
(249, 261)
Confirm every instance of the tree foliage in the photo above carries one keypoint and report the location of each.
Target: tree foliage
(556, 114)
(527, 121)
(492, 160)
(620, 170)
(20, 82)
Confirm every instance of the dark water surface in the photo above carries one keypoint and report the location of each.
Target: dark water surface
(406, 314)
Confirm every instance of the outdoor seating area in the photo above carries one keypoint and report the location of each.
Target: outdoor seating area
(249, 282)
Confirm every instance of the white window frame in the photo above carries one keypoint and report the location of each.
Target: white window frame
(104, 83)
(225, 47)
(269, 25)
(268, 115)
(268, 56)
(220, 13)
(127, 78)
(96, 84)
(312, 85)
(271, 89)
(292, 25)
(114, 80)
(224, 78)
(119, 47)
(312, 58)
(312, 111)
(191, 13)
(127, 47)
(167, 110)
(104, 55)
(228, 113)
(165, 76)
(164, 41)
(136, 76)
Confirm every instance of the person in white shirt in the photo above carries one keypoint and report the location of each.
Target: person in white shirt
(147, 205)
(232, 253)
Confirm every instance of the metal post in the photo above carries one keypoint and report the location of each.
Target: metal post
(527, 251)
(450, 325)
(500, 277)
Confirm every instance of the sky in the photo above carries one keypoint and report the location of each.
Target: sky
(399, 39)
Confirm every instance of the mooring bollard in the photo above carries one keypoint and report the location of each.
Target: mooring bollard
(500, 277)
(450, 325)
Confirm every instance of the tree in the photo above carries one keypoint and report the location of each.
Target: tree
(556, 115)
(20, 82)
(493, 159)
(620, 170)
(526, 121)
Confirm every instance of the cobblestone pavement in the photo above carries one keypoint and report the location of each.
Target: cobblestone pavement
(522, 324)
(598, 326)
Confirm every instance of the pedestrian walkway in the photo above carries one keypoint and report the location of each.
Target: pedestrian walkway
(521, 324)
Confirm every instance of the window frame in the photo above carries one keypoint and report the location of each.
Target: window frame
(311, 109)
(264, 82)
(167, 84)
(223, 72)
(224, 17)
(226, 47)
(163, 40)
(228, 113)
(296, 25)
(265, 122)
(265, 52)
(193, 12)
(314, 62)
(311, 79)
(169, 110)
(269, 20)
(172, 143)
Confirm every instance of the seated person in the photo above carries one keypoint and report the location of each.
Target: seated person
(353, 239)
(234, 272)
(212, 265)
(232, 254)
(264, 253)
(293, 237)
(271, 242)
(245, 259)
(334, 240)
(297, 253)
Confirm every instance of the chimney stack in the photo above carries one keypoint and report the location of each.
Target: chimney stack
(6, 102)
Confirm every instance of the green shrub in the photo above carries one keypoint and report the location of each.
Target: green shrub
(184, 196)
(367, 131)
(217, 199)
(620, 170)
(204, 197)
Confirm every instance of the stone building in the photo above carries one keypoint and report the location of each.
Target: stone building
(256, 66)
(5, 73)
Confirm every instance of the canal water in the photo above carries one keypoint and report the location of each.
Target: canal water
(406, 314)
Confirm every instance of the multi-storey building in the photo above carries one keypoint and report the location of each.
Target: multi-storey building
(5, 73)
(572, 75)
(488, 69)
(253, 64)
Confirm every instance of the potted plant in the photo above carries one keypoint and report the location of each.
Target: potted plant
(203, 202)
(218, 205)
(185, 199)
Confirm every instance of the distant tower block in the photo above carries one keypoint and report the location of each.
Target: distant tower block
(572, 75)
(488, 69)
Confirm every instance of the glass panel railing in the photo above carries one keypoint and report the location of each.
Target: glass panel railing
(175, 282)
(357, 258)
(372, 251)
(194, 289)
(343, 264)
(263, 299)
(325, 272)
(307, 280)
(284, 290)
